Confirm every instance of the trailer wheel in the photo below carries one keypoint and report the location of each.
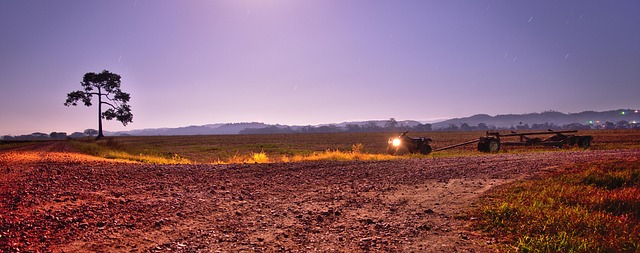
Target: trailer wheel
(489, 145)
(482, 146)
(425, 149)
(494, 146)
(585, 142)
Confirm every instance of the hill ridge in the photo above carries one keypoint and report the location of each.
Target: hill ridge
(500, 121)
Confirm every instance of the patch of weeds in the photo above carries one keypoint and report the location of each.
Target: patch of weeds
(592, 208)
(357, 148)
(258, 158)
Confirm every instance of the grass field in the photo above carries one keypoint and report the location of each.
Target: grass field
(297, 147)
(593, 208)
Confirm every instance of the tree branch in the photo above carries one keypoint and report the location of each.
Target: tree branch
(98, 94)
(107, 96)
(107, 103)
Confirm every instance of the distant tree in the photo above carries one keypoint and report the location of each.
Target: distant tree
(91, 132)
(609, 125)
(483, 127)
(544, 126)
(58, 135)
(77, 135)
(39, 135)
(353, 128)
(106, 86)
(576, 126)
(391, 124)
(267, 130)
(422, 128)
(371, 126)
(306, 129)
(623, 124)
(451, 127)
(537, 126)
(465, 127)
(327, 129)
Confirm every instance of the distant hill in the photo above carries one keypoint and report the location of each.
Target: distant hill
(237, 128)
(587, 119)
(380, 123)
(550, 117)
(230, 128)
(615, 119)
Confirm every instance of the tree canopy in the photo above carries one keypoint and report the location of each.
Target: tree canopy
(106, 86)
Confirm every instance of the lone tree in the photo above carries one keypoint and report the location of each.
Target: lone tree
(106, 86)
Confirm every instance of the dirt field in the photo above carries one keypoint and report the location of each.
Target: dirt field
(52, 199)
(215, 148)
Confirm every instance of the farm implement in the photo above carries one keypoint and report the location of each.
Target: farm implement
(404, 144)
(493, 141)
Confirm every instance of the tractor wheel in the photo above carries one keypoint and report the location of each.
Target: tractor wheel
(402, 150)
(391, 151)
(494, 146)
(425, 149)
(584, 142)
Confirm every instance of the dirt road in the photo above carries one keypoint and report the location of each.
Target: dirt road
(55, 200)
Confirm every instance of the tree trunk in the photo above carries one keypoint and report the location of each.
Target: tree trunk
(100, 135)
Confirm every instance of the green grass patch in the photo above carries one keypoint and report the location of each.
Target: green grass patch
(591, 208)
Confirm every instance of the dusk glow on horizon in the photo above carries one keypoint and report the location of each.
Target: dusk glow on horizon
(197, 62)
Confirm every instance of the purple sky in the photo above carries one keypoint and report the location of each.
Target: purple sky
(315, 61)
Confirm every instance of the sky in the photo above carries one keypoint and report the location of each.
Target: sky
(196, 62)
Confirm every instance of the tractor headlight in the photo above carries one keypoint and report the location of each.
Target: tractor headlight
(396, 142)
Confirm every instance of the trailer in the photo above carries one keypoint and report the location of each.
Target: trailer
(492, 142)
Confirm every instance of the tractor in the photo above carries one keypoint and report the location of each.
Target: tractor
(404, 144)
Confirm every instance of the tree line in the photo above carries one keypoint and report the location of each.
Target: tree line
(393, 126)
(390, 126)
(51, 136)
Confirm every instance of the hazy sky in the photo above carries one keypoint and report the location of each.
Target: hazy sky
(305, 62)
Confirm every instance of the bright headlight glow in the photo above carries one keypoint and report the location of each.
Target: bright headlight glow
(396, 142)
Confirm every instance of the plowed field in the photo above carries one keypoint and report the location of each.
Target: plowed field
(52, 199)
